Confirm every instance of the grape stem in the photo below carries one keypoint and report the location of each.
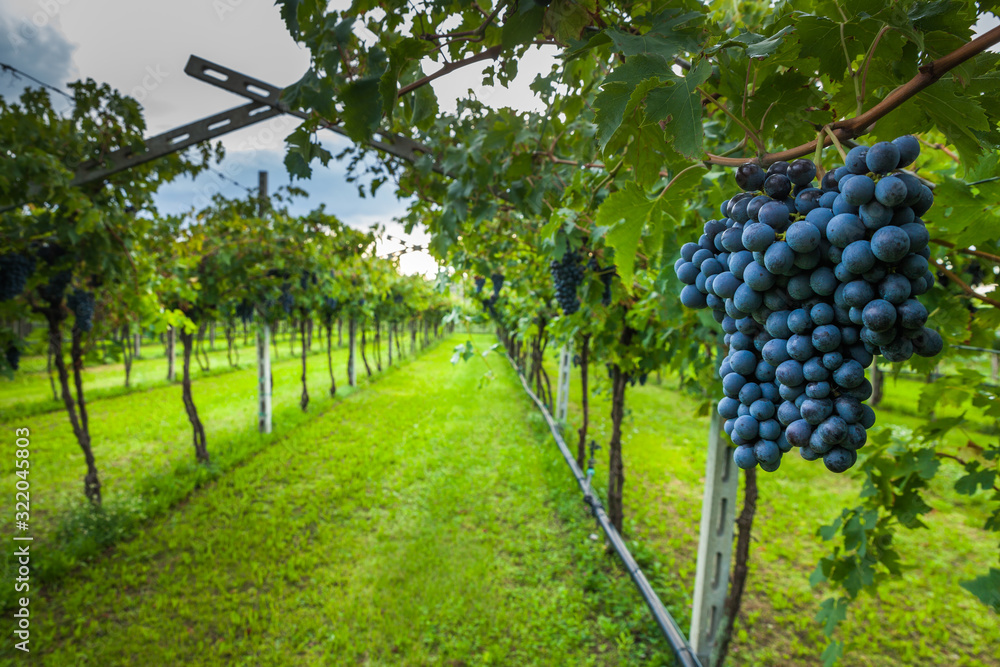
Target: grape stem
(746, 128)
(858, 126)
(964, 286)
(967, 251)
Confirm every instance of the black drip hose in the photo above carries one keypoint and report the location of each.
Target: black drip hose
(678, 642)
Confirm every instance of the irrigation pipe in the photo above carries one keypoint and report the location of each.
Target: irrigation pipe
(678, 642)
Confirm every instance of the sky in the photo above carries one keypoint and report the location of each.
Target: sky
(141, 47)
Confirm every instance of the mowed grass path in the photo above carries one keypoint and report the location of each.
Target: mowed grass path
(409, 525)
(147, 433)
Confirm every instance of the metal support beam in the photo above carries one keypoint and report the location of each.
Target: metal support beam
(175, 140)
(262, 92)
(715, 545)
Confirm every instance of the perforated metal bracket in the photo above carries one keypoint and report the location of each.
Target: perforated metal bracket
(262, 92)
(175, 140)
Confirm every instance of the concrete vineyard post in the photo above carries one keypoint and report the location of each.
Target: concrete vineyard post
(264, 378)
(352, 330)
(562, 387)
(171, 337)
(715, 545)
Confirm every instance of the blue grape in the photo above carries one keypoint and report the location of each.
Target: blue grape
(826, 338)
(743, 362)
(895, 289)
(909, 149)
(758, 277)
(799, 432)
(750, 392)
(833, 360)
(746, 299)
(788, 413)
(815, 410)
(923, 204)
(769, 430)
(803, 236)
(879, 315)
(819, 218)
(845, 229)
(777, 186)
(774, 214)
(728, 407)
(688, 273)
(820, 389)
(882, 157)
(691, 297)
(767, 451)
(750, 177)
(898, 350)
(701, 256)
(813, 370)
(807, 200)
(779, 259)
(859, 190)
(856, 437)
(890, 191)
(913, 266)
(850, 375)
(764, 372)
(858, 257)
(912, 314)
(799, 288)
(890, 244)
(875, 215)
(839, 459)
(823, 281)
(789, 373)
(800, 348)
(726, 284)
(841, 206)
(746, 427)
(757, 237)
(744, 457)
(855, 161)
(762, 410)
(928, 343)
(775, 352)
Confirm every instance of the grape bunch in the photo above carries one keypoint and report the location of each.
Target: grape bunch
(82, 305)
(497, 280)
(13, 355)
(15, 270)
(567, 274)
(307, 278)
(809, 284)
(54, 290)
(480, 281)
(244, 310)
(285, 300)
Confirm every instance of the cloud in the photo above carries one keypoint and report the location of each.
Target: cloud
(31, 41)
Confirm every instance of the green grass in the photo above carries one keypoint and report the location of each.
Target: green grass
(426, 520)
(429, 519)
(924, 618)
(144, 453)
